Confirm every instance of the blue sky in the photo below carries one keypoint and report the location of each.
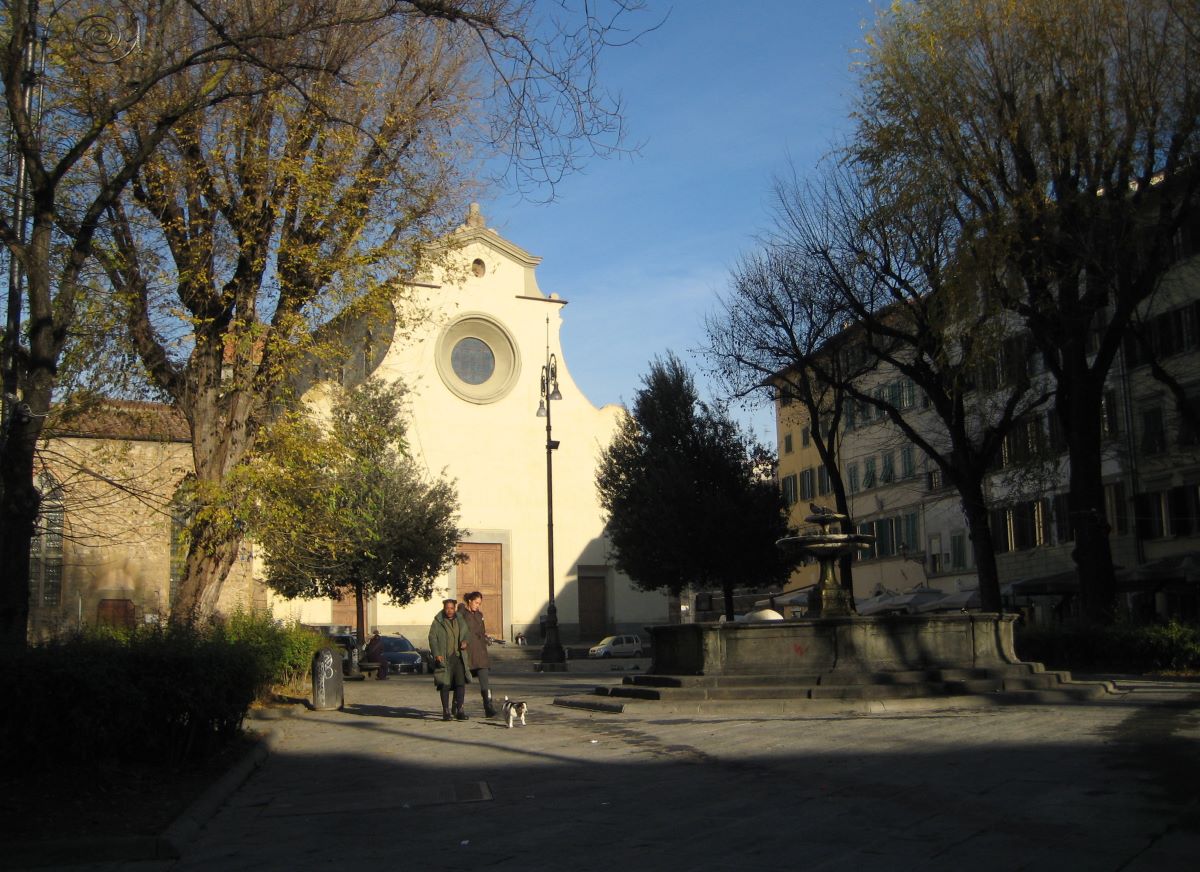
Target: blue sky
(722, 98)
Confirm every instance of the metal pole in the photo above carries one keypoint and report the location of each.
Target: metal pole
(552, 649)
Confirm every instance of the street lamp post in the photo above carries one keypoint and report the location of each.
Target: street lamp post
(552, 649)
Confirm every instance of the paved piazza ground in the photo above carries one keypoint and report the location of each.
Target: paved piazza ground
(386, 785)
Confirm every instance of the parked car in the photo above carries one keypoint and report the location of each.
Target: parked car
(348, 644)
(403, 655)
(617, 646)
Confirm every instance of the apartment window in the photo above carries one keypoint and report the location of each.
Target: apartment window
(1030, 525)
(1001, 523)
(1055, 438)
(822, 481)
(908, 394)
(907, 531)
(935, 554)
(1151, 515)
(849, 416)
(1110, 412)
(869, 473)
(908, 463)
(805, 437)
(46, 546)
(1115, 510)
(868, 528)
(1182, 511)
(933, 479)
(1023, 443)
(787, 443)
(788, 486)
(1014, 360)
(881, 394)
(1153, 438)
(807, 479)
(1188, 437)
(888, 473)
(958, 550)
(885, 537)
(1064, 529)
(852, 475)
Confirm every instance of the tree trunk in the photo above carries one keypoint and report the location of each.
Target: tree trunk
(360, 614)
(983, 547)
(209, 559)
(846, 561)
(19, 501)
(1078, 410)
(222, 432)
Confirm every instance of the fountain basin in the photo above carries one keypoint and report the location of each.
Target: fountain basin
(804, 646)
(824, 544)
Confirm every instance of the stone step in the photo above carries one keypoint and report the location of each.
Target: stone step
(1016, 683)
(796, 691)
(904, 677)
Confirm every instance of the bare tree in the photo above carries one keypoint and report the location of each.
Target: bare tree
(777, 329)
(910, 299)
(1064, 134)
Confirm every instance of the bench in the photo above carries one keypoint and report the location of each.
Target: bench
(365, 669)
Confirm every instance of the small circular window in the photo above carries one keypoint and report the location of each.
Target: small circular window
(477, 360)
(473, 361)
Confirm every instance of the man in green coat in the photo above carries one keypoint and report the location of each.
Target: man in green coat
(451, 661)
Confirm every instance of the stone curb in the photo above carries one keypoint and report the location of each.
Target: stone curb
(168, 844)
(188, 824)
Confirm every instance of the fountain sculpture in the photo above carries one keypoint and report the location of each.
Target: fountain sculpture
(832, 598)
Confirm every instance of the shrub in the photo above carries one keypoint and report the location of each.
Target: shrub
(153, 695)
(1120, 648)
(282, 651)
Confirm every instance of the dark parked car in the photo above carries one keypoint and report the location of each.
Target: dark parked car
(403, 655)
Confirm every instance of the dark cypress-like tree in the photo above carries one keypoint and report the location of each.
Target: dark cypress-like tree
(690, 499)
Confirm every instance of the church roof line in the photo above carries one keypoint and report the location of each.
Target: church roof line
(475, 229)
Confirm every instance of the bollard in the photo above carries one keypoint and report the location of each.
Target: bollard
(328, 691)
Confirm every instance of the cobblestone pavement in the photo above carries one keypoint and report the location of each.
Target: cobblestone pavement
(385, 784)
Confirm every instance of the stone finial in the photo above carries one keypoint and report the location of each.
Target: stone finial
(474, 216)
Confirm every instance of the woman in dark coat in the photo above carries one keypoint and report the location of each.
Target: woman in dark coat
(477, 646)
(451, 661)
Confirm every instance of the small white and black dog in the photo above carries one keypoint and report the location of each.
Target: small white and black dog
(514, 711)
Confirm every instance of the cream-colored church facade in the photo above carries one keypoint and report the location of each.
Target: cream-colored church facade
(473, 367)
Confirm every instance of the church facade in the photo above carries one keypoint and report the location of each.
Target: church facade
(474, 366)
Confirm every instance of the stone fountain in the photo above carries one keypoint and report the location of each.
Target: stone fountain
(838, 660)
(838, 639)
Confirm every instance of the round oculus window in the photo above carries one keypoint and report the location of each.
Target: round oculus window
(472, 360)
(477, 359)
